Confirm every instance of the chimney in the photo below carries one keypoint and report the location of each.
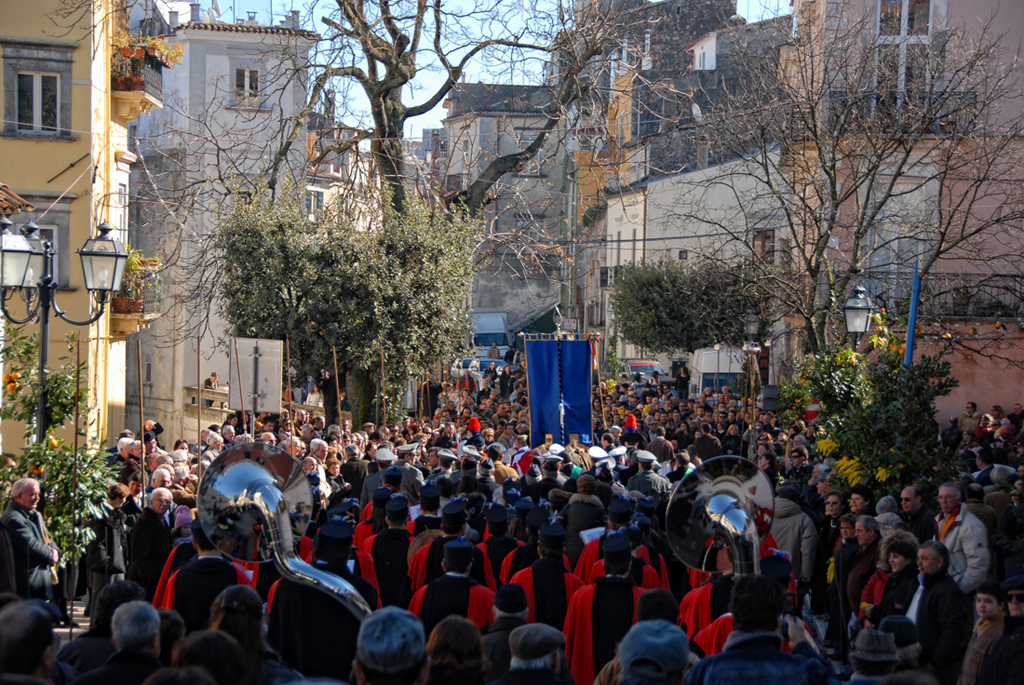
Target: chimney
(172, 18)
(703, 146)
(251, 21)
(194, 8)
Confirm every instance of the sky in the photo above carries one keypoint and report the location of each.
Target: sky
(752, 10)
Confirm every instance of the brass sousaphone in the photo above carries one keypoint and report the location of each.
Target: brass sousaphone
(727, 500)
(254, 502)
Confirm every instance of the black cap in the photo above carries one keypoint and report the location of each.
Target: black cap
(636, 536)
(345, 508)
(397, 507)
(523, 507)
(511, 599)
(778, 568)
(642, 522)
(468, 464)
(430, 497)
(620, 511)
(381, 497)
(512, 496)
(393, 476)
(497, 513)
(552, 535)
(334, 540)
(454, 514)
(537, 516)
(616, 549)
(458, 553)
(199, 535)
(645, 505)
(148, 435)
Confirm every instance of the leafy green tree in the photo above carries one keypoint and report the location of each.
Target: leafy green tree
(72, 492)
(878, 417)
(663, 307)
(394, 287)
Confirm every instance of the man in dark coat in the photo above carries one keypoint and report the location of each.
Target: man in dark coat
(106, 556)
(301, 615)
(26, 633)
(498, 546)
(532, 643)
(192, 588)
(939, 610)
(600, 614)
(707, 445)
(136, 629)
(1005, 660)
(151, 542)
(33, 551)
(510, 611)
(919, 518)
(454, 593)
(390, 551)
(549, 587)
(425, 566)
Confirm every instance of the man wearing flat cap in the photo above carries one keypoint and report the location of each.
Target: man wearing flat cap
(647, 480)
(391, 648)
(430, 510)
(536, 656)
(602, 613)
(549, 586)
(383, 458)
(426, 565)
(390, 551)
(412, 477)
(499, 545)
(454, 593)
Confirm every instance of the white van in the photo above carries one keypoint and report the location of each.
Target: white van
(711, 368)
(489, 326)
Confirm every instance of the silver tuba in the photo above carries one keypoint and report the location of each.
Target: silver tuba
(253, 502)
(727, 500)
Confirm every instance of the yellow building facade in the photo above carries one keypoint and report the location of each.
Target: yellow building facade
(65, 148)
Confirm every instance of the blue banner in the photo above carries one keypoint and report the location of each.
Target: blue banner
(576, 365)
(542, 378)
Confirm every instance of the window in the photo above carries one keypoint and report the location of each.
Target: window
(647, 62)
(247, 87)
(902, 52)
(50, 234)
(523, 138)
(38, 102)
(764, 244)
(683, 255)
(314, 203)
(37, 84)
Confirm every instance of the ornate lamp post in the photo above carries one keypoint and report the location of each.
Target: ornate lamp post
(857, 311)
(26, 266)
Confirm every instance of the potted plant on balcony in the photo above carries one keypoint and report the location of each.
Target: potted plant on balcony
(138, 273)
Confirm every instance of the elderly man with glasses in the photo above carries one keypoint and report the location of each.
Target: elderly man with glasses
(918, 517)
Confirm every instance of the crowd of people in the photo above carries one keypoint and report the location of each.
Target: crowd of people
(484, 558)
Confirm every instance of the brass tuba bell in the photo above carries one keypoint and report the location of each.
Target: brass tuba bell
(727, 500)
(254, 502)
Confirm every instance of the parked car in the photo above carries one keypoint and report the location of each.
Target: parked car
(644, 367)
(475, 365)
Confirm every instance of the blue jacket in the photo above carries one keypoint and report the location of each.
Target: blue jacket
(755, 658)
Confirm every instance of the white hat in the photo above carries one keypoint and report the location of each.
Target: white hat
(556, 449)
(470, 450)
(596, 452)
(384, 455)
(618, 451)
(644, 455)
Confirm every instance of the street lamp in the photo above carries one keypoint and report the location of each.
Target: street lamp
(751, 324)
(718, 365)
(858, 310)
(26, 265)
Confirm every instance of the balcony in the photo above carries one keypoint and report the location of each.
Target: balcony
(132, 310)
(954, 295)
(136, 81)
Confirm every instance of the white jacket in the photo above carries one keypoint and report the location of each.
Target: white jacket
(967, 542)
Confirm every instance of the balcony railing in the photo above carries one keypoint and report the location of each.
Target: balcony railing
(136, 70)
(948, 294)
